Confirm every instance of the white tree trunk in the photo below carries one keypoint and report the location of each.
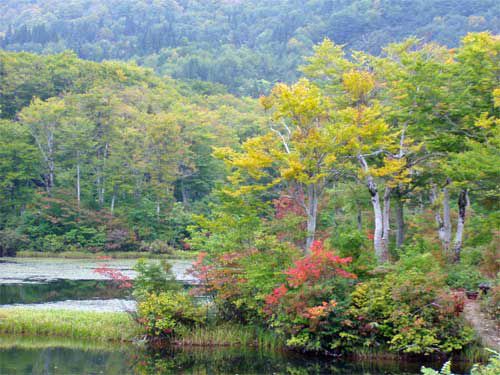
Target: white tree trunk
(386, 222)
(400, 221)
(78, 190)
(443, 222)
(312, 214)
(380, 234)
(462, 207)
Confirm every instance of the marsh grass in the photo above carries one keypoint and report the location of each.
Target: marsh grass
(176, 254)
(230, 335)
(83, 325)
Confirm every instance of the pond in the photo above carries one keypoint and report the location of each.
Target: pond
(52, 356)
(73, 284)
(69, 283)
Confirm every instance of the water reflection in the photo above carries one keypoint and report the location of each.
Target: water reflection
(50, 356)
(59, 290)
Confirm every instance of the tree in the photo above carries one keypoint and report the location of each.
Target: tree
(299, 153)
(44, 119)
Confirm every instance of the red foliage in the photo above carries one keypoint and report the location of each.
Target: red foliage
(285, 206)
(122, 281)
(300, 295)
(320, 263)
(276, 295)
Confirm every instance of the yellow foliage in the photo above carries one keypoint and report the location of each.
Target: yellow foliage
(358, 83)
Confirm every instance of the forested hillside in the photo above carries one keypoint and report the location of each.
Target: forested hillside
(95, 155)
(247, 45)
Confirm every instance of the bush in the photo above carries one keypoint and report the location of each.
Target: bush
(307, 307)
(463, 276)
(165, 315)
(410, 310)
(491, 303)
(53, 243)
(157, 247)
(153, 277)
(491, 368)
(240, 281)
(11, 241)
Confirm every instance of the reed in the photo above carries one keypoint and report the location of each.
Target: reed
(84, 325)
(230, 335)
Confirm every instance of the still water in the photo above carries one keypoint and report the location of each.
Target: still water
(53, 357)
(69, 283)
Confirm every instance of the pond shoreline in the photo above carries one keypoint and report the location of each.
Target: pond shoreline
(120, 327)
(177, 254)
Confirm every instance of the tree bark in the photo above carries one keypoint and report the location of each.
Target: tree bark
(184, 193)
(381, 216)
(400, 220)
(462, 208)
(78, 190)
(359, 219)
(443, 222)
(312, 213)
(386, 220)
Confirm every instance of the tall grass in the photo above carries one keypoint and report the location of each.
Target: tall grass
(230, 335)
(95, 326)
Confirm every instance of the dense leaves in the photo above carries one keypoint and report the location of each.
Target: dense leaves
(245, 45)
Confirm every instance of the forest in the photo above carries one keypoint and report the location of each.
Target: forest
(335, 187)
(247, 46)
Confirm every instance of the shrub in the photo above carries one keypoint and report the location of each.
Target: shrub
(11, 241)
(157, 247)
(166, 314)
(463, 276)
(307, 306)
(410, 310)
(491, 368)
(491, 304)
(53, 243)
(240, 281)
(153, 277)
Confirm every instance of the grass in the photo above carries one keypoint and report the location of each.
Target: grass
(176, 254)
(230, 335)
(83, 325)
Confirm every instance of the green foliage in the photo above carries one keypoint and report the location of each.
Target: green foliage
(11, 241)
(445, 370)
(409, 310)
(490, 303)
(245, 46)
(491, 368)
(463, 276)
(153, 277)
(164, 315)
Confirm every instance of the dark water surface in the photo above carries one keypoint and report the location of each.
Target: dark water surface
(66, 357)
(53, 283)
